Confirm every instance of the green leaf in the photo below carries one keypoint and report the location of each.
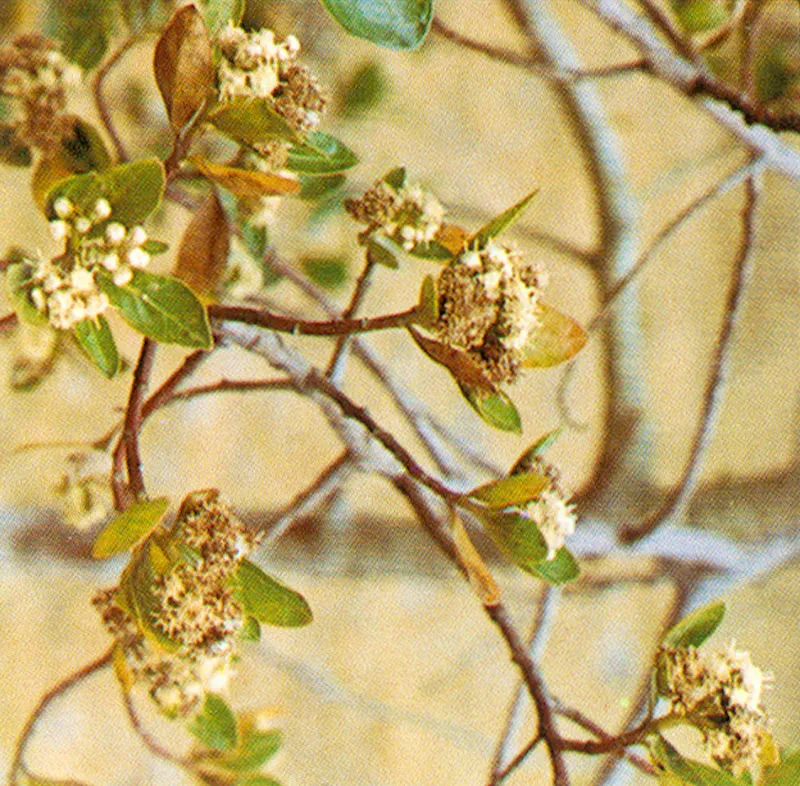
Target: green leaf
(493, 407)
(320, 154)
(364, 90)
(220, 12)
(514, 490)
(18, 285)
(98, 343)
(396, 24)
(12, 151)
(268, 600)
(694, 629)
(559, 570)
(161, 308)
(130, 528)
(215, 726)
(691, 772)
(255, 749)
(183, 66)
(328, 272)
(543, 444)
(787, 773)
(252, 122)
(395, 178)
(517, 536)
(698, 16)
(500, 223)
(383, 251)
(83, 27)
(133, 190)
(313, 188)
(555, 341)
(251, 630)
(428, 303)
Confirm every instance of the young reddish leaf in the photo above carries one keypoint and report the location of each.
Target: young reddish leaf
(459, 363)
(246, 182)
(556, 340)
(184, 65)
(479, 575)
(130, 528)
(513, 490)
(203, 252)
(502, 222)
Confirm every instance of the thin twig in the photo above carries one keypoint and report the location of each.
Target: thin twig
(678, 499)
(302, 327)
(57, 690)
(498, 776)
(102, 107)
(123, 496)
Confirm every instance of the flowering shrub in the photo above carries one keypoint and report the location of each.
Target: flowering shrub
(244, 119)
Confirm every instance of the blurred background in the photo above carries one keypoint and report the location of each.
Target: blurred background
(401, 679)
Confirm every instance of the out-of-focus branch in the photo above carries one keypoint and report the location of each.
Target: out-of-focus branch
(99, 100)
(677, 501)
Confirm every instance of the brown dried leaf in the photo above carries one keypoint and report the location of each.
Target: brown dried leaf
(452, 237)
(204, 248)
(184, 65)
(459, 363)
(245, 182)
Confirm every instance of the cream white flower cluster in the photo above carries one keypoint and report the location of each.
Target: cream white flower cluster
(489, 306)
(36, 74)
(720, 694)
(64, 289)
(409, 215)
(257, 65)
(195, 609)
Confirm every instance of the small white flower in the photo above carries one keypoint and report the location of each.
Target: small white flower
(81, 280)
(110, 261)
(115, 233)
(62, 207)
(78, 312)
(555, 519)
(137, 236)
(102, 210)
(138, 258)
(58, 230)
(292, 44)
(82, 225)
(122, 276)
(38, 298)
(52, 282)
(96, 304)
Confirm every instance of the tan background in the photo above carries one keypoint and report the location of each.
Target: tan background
(402, 680)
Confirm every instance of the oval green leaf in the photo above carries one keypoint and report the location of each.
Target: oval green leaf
(516, 536)
(252, 122)
(502, 222)
(215, 726)
(268, 600)
(514, 490)
(544, 443)
(96, 339)
(690, 772)
(493, 407)
(130, 528)
(559, 570)
(396, 24)
(558, 338)
(160, 307)
(694, 629)
(321, 154)
(251, 630)
(383, 251)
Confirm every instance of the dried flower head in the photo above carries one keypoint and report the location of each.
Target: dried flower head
(36, 75)
(408, 215)
(489, 307)
(720, 694)
(193, 606)
(64, 289)
(257, 65)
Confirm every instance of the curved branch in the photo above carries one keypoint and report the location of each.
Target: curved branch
(100, 103)
(17, 763)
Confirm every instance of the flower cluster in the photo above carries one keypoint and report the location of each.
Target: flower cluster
(65, 289)
(721, 695)
(193, 606)
(257, 65)
(489, 307)
(552, 511)
(408, 215)
(35, 73)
